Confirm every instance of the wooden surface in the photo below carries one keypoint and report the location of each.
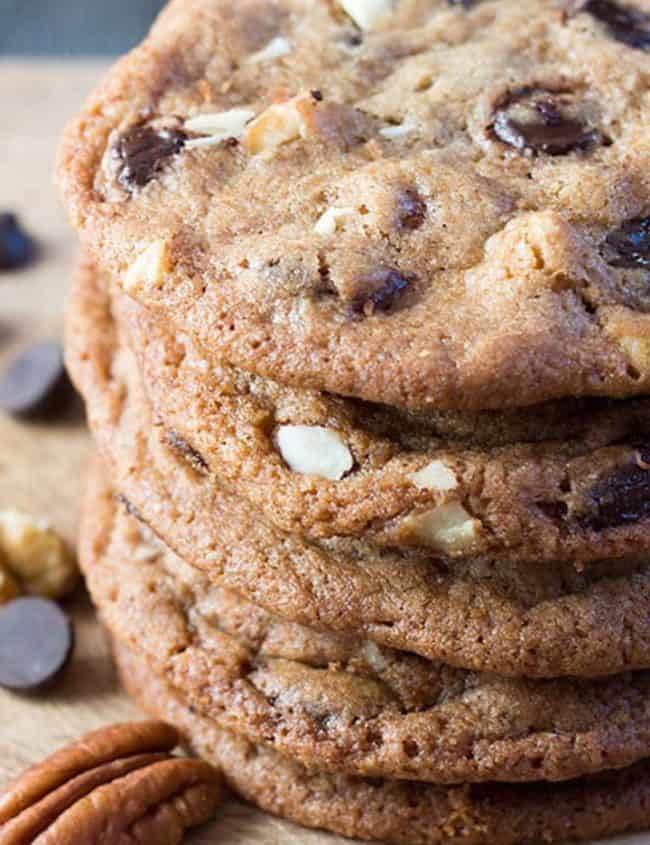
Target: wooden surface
(41, 468)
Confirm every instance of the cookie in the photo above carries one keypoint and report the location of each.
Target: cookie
(396, 811)
(418, 203)
(339, 703)
(575, 484)
(509, 617)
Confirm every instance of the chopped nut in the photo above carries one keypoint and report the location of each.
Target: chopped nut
(398, 131)
(149, 269)
(435, 476)
(313, 450)
(278, 124)
(630, 331)
(36, 555)
(366, 13)
(275, 49)
(218, 127)
(121, 779)
(9, 588)
(328, 222)
(448, 527)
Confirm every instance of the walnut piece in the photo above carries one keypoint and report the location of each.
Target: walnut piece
(149, 269)
(328, 222)
(314, 450)
(279, 124)
(36, 555)
(120, 779)
(9, 588)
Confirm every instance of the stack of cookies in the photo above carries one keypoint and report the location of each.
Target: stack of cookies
(363, 328)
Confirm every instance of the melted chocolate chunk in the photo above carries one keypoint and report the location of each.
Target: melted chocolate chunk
(16, 247)
(627, 24)
(380, 291)
(540, 121)
(623, 497)
(36, 641)
(143, 152)
(411, 209)
(180, 445)
(629, 246)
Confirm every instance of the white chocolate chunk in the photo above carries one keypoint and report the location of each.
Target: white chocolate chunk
(446, 528)
(314, 450)
(149, 269)
(398, 131)
(366, 13)
(435, 476)
(218, 126)
(328, 222)
(275, 49)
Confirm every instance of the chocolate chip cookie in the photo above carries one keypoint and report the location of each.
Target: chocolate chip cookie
(569, 480)
(397, 811)
(344, 704)
(426, 204)
(487, 614)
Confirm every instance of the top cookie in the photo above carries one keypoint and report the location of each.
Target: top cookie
(422, 203)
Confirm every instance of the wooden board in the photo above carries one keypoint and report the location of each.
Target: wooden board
(42, 467)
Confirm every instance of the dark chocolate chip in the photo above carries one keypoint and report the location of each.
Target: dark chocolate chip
(629, 245)
(143, 151)
(555, 511)
(623, 497)
(180, 445)
(466, 4)
(541, 121)
(35, 384)
(16, 247)
(627, 24)
(317, 95)
(411, 209)
(36, 641)
(380, 291)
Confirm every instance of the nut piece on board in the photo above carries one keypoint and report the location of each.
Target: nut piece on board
(118, 783)
(36, 556)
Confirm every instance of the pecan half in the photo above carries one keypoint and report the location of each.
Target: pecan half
(116, 784)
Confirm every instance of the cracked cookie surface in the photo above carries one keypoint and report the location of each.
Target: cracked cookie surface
(439, 206)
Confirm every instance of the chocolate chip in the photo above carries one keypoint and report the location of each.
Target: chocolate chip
(540, 121)
(622, 497)
(379, 291)
(629, 245)
(129, 507)
(35, 384)
(16, 247)
(180, 445)
(411, 209)
(36, 641)
(142, 152)
(627, 24)
(466, 4)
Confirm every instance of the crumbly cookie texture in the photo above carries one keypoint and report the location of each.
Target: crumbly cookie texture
(489, 614)
(398, 812)
(423, 203)
(342, 703)
(561, 481)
